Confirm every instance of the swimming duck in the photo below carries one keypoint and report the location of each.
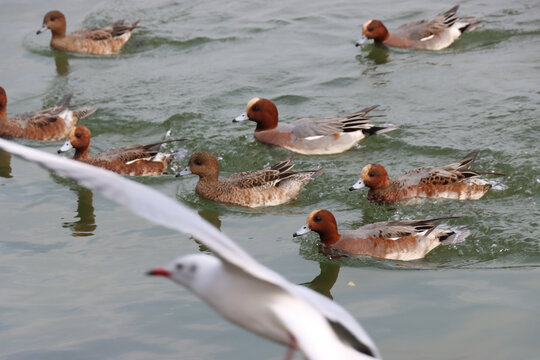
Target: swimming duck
(396, 240)
(49, 124)
(310, 136)
(98, 41)
(271, 186)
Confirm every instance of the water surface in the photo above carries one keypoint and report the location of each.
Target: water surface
(72, 263)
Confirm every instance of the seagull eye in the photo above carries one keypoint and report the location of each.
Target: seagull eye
(179, 266)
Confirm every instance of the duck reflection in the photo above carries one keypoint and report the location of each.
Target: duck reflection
(62, 63)
(86, 223)
(5, 164)
(377, 54)
(325, 280)
(213, 218)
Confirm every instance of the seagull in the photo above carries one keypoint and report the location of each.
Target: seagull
(232, 282)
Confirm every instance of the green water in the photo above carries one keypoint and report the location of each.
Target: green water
(72, 263)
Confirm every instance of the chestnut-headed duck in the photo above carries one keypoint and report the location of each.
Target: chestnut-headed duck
(97, 41)
(454, 181)
(397, 240)
(310, 136)
(49, 124)
(271, 186)
(434, 34)
(134, 160)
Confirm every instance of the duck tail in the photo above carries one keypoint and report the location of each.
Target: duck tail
(84, 112)
(64, 102)
(454, 234)
(468, 24)
(380, 129)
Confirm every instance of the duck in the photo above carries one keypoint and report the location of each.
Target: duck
(434, 34)
(133, 160)
(310, 136)
(396, 240)
(50, 124)
(274, 185)
(98, 41)
(455, 181)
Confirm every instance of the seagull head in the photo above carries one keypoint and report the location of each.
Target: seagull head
(195, 272)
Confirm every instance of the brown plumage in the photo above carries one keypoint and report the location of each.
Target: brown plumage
(98, 41)
(454, 181)
(271, 186)
(49, 124)
(397, 240)
(134, 160)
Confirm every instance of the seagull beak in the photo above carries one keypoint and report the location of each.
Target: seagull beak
(42, 29)
(361, 41)
(357, 185)
(159, 272)
(67, 145)
(240, 117)
(303, 230)
(186, 171)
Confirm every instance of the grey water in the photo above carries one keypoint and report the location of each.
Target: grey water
(72, 263)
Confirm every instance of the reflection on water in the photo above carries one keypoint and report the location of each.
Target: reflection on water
(325, 280)
(377, 54)
(213, 218)
(5, 164)
(86, 223)
(61, 61)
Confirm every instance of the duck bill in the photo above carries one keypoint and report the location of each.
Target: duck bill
(159, 272)
(357, 185)
(361, 41)
(42, 29)
(67, 146)
(303, 230)
(186, 171)
(241, 117)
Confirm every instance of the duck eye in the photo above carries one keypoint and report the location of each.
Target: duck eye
(78, 136)
(370, 28)
(371, 174)
(256, 108)
(198, 162)
(179, 266)
(317, 218)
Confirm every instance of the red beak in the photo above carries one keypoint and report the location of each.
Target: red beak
(159, 272)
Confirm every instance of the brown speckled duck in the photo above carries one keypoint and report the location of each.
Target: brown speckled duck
(98, 41)
(49, 124)
(274, 185)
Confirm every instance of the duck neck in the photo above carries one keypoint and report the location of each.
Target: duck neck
(81, 153)
(330, 234)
